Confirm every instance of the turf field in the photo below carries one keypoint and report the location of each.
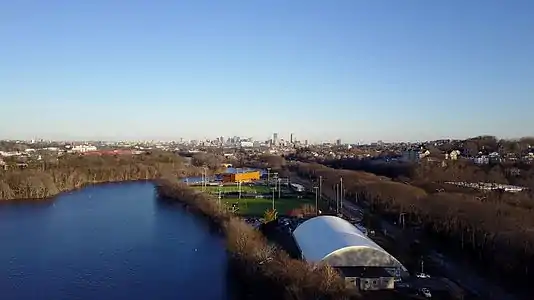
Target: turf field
(258, 206)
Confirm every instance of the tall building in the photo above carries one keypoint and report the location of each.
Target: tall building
(275, 139)
(338, 142)
(291, 139)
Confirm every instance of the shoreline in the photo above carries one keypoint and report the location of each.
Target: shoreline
(66, 191)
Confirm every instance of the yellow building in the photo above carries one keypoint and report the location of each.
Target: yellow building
(241, 177)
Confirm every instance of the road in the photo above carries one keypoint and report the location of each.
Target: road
(349, 209)
(462, 275)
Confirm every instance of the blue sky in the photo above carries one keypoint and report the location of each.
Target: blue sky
(354, 69)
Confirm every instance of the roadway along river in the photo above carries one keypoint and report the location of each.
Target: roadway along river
(112, 241)
(467, 278)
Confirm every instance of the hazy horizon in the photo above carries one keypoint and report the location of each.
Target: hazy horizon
(258, 139)
(361, 71)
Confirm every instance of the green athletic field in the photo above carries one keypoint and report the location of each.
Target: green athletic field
(258, 206)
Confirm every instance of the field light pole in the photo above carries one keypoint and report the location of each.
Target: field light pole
(220, 194)
(279, 187)
(204, 179)
(273, 198)
(239, 189)
(344, 192)
(341, 193)
(268, 176)
(316, 200)
(321, 187)
(337, 198)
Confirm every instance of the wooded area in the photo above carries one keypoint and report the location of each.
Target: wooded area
(494, 228)
(46, 179)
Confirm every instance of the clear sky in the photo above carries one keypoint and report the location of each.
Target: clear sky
(360, 70)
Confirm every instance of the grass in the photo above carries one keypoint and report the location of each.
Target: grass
(258, 206)
(258, 189)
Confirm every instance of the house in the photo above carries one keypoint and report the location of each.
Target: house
(414, 155)
(481, 160)
(494, 157)
(454, 154)
(83, 148)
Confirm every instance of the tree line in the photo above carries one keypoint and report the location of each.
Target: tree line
(43, 179)
(514, 173)
(486, 144)
(496, 229)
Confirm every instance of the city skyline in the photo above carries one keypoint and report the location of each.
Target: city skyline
(357, 71)
(268, 139)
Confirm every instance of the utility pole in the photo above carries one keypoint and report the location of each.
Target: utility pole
(401, 219)
(422, 266)
(316, 201)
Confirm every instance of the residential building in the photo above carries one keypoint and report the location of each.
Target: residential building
(83, 148)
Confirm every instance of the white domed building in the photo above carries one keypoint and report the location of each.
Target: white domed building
(336, 242)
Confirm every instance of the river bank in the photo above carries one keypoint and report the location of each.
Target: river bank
(47, 181)
(262, 271)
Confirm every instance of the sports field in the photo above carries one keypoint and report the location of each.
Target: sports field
(258, 206)
(255, 189)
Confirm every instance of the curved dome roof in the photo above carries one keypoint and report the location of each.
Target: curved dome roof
(337, 242)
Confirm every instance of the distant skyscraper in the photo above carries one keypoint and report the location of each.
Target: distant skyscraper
(291, 138)
(338, 142)
(275, 139)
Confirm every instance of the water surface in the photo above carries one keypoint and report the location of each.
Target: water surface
(113, 241)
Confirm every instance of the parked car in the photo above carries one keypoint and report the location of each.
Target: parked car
(426, 293)
(422, 275)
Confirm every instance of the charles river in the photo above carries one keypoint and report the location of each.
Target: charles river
(112, 241)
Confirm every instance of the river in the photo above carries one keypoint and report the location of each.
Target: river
(112, 241)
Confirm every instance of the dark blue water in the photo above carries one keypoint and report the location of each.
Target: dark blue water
(108, 242)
